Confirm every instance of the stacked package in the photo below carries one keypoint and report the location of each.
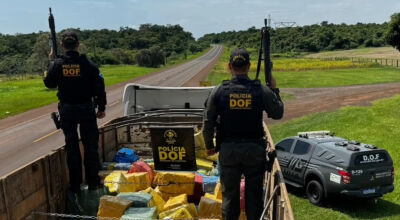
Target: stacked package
(140, 213)
(112, 206)
(142, 193)
(175, 182)
(119, 181)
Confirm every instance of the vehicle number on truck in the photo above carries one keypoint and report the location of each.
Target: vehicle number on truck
(368, 191)
(372, 158)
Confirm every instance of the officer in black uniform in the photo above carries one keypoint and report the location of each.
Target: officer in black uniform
(238, 104)
(80, 89)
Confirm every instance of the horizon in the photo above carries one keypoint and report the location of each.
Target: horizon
(198, 17)
(137, 28)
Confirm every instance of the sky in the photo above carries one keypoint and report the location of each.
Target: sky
(196, 16)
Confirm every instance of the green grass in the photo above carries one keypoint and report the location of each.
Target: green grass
(378, 124)
(337, 77)
(336, 73)
(18, 95)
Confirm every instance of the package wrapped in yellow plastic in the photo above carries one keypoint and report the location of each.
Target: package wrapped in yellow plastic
(175, 182)
(112, 206)
(204, 164)
(210, 207)
(178, 213)
(218, 191)
(158, 200)
(176, 201)
(200, 146)
(118, 182)
(112, 181)
(213, 157)
(165, 196)
(136, 182)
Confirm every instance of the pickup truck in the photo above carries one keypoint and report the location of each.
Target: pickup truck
(39, 189)
(327, 165)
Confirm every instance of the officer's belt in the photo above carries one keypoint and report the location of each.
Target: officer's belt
(77, 103)
(242, 140)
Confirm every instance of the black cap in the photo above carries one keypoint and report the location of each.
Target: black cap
(239, 57)
(69, 38)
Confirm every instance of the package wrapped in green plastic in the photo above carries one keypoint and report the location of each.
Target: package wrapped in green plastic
(210, 207)
(140, 213)
(138, 199)
(187, 211)
(113, 206)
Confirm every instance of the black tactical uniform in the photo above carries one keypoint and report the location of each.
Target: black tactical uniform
(80, 89)
(239, 104)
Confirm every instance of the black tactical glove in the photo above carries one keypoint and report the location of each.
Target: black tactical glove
(271, 158)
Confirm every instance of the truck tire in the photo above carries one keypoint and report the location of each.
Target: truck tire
(315, 192)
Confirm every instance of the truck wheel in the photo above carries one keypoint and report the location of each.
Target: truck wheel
(315, 192)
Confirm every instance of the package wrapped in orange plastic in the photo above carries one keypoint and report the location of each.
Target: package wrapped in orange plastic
(112, 206)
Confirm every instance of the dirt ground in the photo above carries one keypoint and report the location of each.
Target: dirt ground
(315, 100)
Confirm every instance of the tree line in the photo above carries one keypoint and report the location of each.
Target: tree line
(149, 45)
(310, 38)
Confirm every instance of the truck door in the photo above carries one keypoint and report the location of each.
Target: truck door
(283, 150)
(299, 161)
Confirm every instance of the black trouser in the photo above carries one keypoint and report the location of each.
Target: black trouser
(85, 116)
(247, 158)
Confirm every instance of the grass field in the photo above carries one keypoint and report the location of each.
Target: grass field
(309, 73)
(378, 124)
(376, 52)
(18, 95)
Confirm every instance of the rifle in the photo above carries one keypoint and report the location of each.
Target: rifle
(53, 33)
(265, 45)
(54, 115)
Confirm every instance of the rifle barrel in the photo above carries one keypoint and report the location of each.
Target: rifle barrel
(53, 33)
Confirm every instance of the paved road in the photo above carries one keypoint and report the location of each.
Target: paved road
(28, 136)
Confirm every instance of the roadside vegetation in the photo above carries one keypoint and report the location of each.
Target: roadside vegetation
(19, 95)
(312, 73)
(378, 124)
(149, 46)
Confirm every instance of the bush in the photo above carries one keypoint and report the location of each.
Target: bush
(153, 57)
(12, 65)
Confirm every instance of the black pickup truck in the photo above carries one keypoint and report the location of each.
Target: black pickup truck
(326, 165)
